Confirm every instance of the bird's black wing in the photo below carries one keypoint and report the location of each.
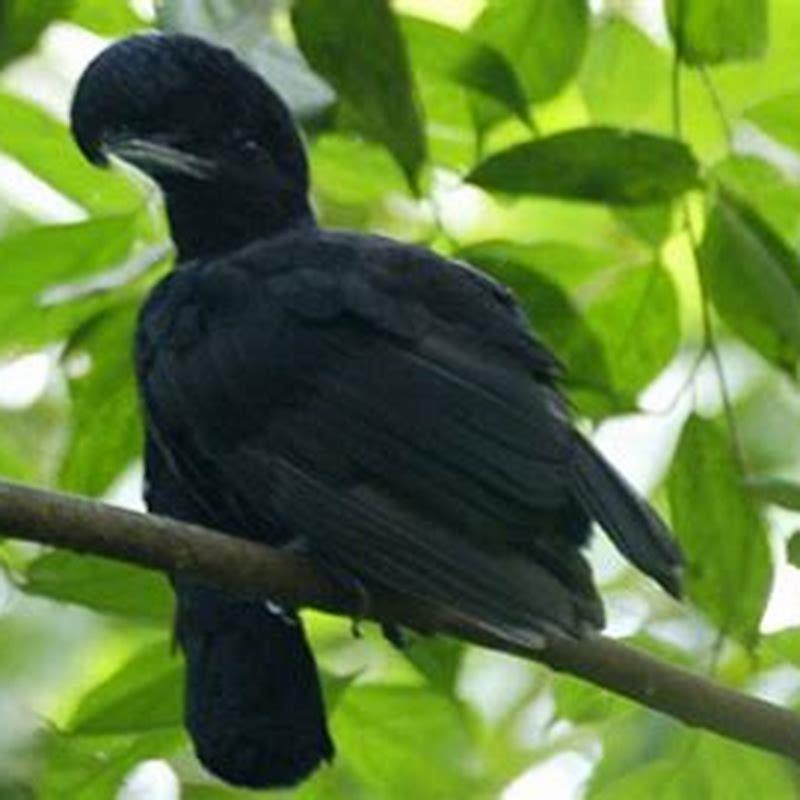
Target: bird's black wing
(390, 412)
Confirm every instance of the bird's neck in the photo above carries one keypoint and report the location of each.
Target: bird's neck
(207, 219)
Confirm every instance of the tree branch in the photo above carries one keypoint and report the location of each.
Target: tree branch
(163, 544)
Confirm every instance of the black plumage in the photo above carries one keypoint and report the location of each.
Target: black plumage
(382, 408)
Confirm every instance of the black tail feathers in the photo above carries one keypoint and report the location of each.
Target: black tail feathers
(254, 706)
(632, 524)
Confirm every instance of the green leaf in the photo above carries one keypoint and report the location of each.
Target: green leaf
(636, 317)
(37, 260)
(23, 21)
(713, 31)
(752, 280)
(779, 117)
(652, 224)
(144, 694)
(379, 730)
(44, 145)
(101, 584)
(721, 769)
(106, 432)
(621, 69)
(104, 18)
(729, 569)
(93, 767)
(438, 659)
(543, 39)
(793, 549)
(372, 79)
(584, 703)
(599, 164)
(763, 188)
(776, 491)
(458, 57)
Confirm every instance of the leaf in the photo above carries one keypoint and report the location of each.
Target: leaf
(106, 432)
(776, 491)
(144, 694)
(458, 57)
(713, 31)
(793, 549)
(752, 280)
(101, 584)
(599, 164)
(652, 224)
(23, 21)
(32, 262)
(104, 18)
(722, 769)
(762, 187)
(372, 79)
(379, 730)
(543, 39)
(584, 703)
(438, 659)
(779, 117)
(621, 68)
(729, 569)
(43, 145)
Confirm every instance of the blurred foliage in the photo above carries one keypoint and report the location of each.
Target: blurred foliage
(632, 176)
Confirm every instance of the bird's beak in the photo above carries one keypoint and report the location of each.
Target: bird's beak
(156, 157)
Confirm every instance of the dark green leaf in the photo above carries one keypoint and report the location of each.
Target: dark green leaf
(106, 431)
(729, 569)
(599, 164)
(438, 659)
(793, 549)
(753, 280)
(33, 262)
(776, 491)
(357, 47)
(144, 694)
(543, 39)
(712, 31)
(779, 117)
(458, 57)
(23, 21)
(44, 146)
(101, 584)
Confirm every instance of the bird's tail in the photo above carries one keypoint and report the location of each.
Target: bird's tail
(632, 524)
(254, 706)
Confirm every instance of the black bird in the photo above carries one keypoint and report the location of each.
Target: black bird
(384, 409)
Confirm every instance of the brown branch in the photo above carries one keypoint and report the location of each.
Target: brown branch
(159, 543)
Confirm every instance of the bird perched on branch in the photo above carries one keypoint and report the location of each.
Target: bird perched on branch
(381, 408)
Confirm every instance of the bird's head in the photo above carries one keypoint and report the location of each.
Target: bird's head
(198, 121)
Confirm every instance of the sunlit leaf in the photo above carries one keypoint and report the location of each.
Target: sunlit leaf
(102, 585)
(44, 146)
(779, 117)
(458, 57)
(729, 569)
(599, 164)
(373, 78)
(543, 39)
(145, 693)
(106, 430)
(712, 31)
(104, 18)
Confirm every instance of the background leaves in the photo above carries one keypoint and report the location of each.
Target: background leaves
(537, 140)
